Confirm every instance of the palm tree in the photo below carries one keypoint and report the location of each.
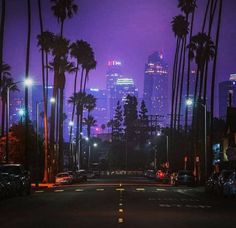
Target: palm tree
(6, 82)
(89, 65)
(26, 77)
(89, 122)
(79, 50)
(187, 7)
(60, 49)
(90, 103)
(202, 50)
(180, 29)
(2, 26)
(63, 9)
(79, 100)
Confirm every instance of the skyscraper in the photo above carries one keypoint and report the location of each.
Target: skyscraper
(227, 97)
(156, 85)
(114, 72)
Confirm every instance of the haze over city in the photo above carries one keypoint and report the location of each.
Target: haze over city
(115, 33)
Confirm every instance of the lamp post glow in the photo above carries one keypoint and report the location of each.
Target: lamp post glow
(28, 82)
(52, 100)
(71, 123)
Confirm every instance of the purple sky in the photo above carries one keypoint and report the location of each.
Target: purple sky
(128, 30)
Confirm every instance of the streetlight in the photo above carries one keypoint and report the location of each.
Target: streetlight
(28, 82)
(189, 102)
(21, 113)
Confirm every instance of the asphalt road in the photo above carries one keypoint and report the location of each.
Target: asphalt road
(118, 202)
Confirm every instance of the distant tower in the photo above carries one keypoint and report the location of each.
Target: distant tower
(156, 85)
(227, 95)
(114, 72)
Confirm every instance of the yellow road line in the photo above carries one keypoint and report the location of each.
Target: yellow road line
(59, 190)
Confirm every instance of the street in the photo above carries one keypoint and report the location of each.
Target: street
(118, 202)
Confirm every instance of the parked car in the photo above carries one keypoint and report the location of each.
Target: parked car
(229, 187)
(18, 176)
(81, 175)
(211, 183)
(162, 176)
(184, 177)
(64, 178)
(223, 176)
(150, 173)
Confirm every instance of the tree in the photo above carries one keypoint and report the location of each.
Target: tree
(63, 9)
(180, 29)
(89, 122)
(79, 100)
(6, 82)
(117, 130)
(143, 123)
(130, 117)
(2, 27)
(27, 64)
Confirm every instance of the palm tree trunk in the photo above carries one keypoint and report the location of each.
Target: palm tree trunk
(26, 88)
(205, 15)
(85, 81)
(188, 75)
(3, 117)
(174, 81)
(62, 28)
(2, 37)
(81, 79)
(182, 83)
(178, 83)
(60, 149)
(214, 70)
(52, 123)
(45, 116)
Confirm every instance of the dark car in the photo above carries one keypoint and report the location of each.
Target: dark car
(184, 177)
(223, 177)
(211, 183)
(150, 173)
(81, 175)
(19, 176)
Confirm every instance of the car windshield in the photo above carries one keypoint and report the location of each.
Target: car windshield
(10, 169)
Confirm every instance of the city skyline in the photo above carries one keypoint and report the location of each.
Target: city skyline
(148, 21)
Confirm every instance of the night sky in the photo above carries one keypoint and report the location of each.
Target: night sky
(127, 30)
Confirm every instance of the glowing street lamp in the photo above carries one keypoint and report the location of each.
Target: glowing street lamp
(71, 123)
(52, 100)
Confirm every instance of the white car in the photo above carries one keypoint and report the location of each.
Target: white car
(64, 178)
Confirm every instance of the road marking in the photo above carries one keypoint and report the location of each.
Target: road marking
(121, 210)
(120, 184)
(164, 205)
(59, 190)
(140, 189)
(39, 191)
(161, 190)
(79, 190)
(120, 189)
(100, 189)
(120, 220)
(120, 204)
(152, 199)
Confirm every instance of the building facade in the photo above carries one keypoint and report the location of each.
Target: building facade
(227, 95)
(156, 86)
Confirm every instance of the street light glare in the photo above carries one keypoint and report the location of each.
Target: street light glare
(28, 82)
(71, 123)
(21, 112)
(95, 144)
(189, 102)
(52, 100)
